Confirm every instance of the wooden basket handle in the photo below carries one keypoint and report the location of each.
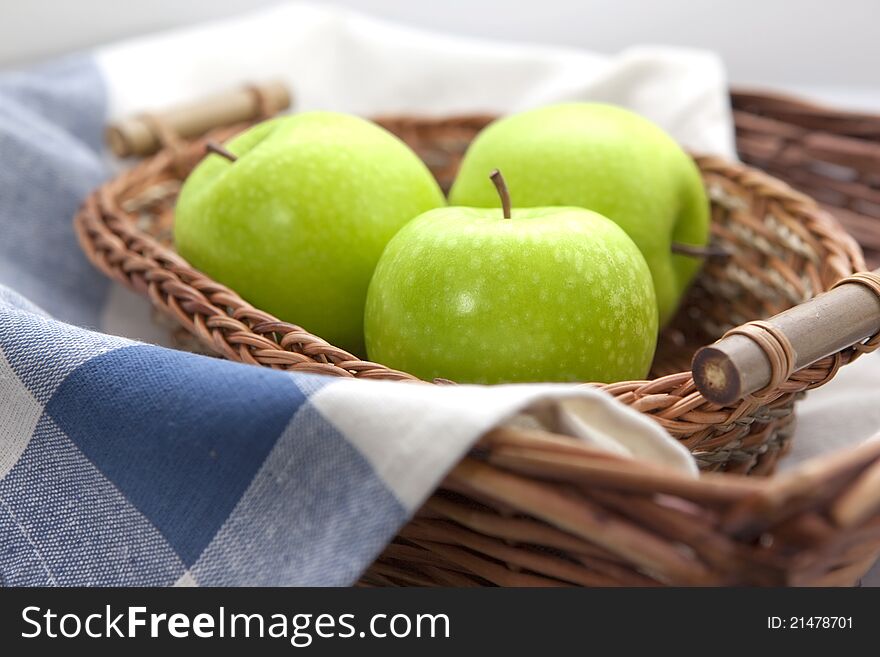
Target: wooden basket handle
(143, 135)
(757, 357)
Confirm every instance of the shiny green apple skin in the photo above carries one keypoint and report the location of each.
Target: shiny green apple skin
(606, 159)
(297, 223)
(551, 294)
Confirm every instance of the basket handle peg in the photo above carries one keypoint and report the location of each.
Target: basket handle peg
(137, 136)
(756, 358)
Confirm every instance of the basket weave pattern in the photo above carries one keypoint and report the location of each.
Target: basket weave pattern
(538, 510)
(831, 155)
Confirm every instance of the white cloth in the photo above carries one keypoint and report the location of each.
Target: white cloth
(840, 414)
(344, 61)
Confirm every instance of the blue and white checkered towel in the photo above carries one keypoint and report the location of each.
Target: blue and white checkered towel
(123, 462)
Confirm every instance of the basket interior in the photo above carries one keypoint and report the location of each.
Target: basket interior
(781, 254)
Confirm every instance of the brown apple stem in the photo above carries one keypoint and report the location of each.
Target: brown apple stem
(214, 147)
(501, 186)
(694, 251)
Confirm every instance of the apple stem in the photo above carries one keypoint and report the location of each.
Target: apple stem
(501, 186)
(214, 147)
(694, 251)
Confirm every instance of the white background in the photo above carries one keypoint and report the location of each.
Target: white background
(825, 48)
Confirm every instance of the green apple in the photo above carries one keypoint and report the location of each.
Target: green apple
(609, 160)
(537, 294)
(296, 215)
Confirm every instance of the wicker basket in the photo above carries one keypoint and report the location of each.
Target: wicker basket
(534, 508)
(831, 155)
